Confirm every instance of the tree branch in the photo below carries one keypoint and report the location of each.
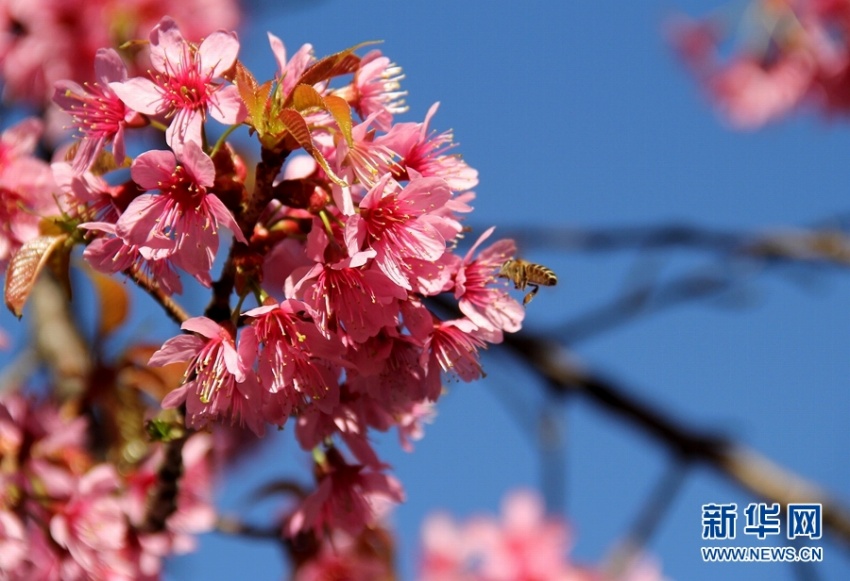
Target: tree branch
(743, 466)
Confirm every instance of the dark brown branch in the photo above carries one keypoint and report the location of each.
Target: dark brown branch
(234, 526)
(827, 241)
(643, 301)
(827, 248)
(268, 168)
(162, 502)
(743, 466)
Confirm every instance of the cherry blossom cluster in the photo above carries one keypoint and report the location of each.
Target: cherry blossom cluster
(352, 302)
(64, 515)
(795, 52)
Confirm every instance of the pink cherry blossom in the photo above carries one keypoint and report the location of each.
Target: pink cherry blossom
(345, 499)
(297, 363)
(91, 526)
(26, 187)
(425, 153)
(454, 346)
(290, 71)
(183, 219)
(218, 384)
(375, 90)
(480, 296)
(109, 254)
(97, 112)
(389, 369)
(367, 159)
(354, 300)
(183, 85)
(401, 224)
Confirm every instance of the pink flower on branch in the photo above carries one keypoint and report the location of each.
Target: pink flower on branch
(350, 299)
(26, 187)
(182, 221)
(348, 498)
(109, 254)
(480, 296)
(97, 111)
(402, 224)
(183, 84)
(297, 364)
(290, 71)
(218, 383)
(454, 346)
(426, 153)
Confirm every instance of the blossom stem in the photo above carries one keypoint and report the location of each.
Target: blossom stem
(267, 170)
(172, 309)
(221, 140)
(158, 125)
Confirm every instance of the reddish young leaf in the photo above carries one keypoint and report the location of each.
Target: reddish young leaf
(25, 266)
(297, 127)
(341, 112)
(304, 97)
(254, 95)
(341, 63)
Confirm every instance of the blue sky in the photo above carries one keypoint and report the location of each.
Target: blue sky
(577, 115)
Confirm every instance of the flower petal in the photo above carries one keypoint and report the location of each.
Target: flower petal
(218, 52)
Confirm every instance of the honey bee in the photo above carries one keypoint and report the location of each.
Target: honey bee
(524, 273)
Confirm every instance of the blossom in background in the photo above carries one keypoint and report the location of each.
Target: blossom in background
(525, 544)
(63, 515)
(43, 41)
(26, 187)
(795, 53)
